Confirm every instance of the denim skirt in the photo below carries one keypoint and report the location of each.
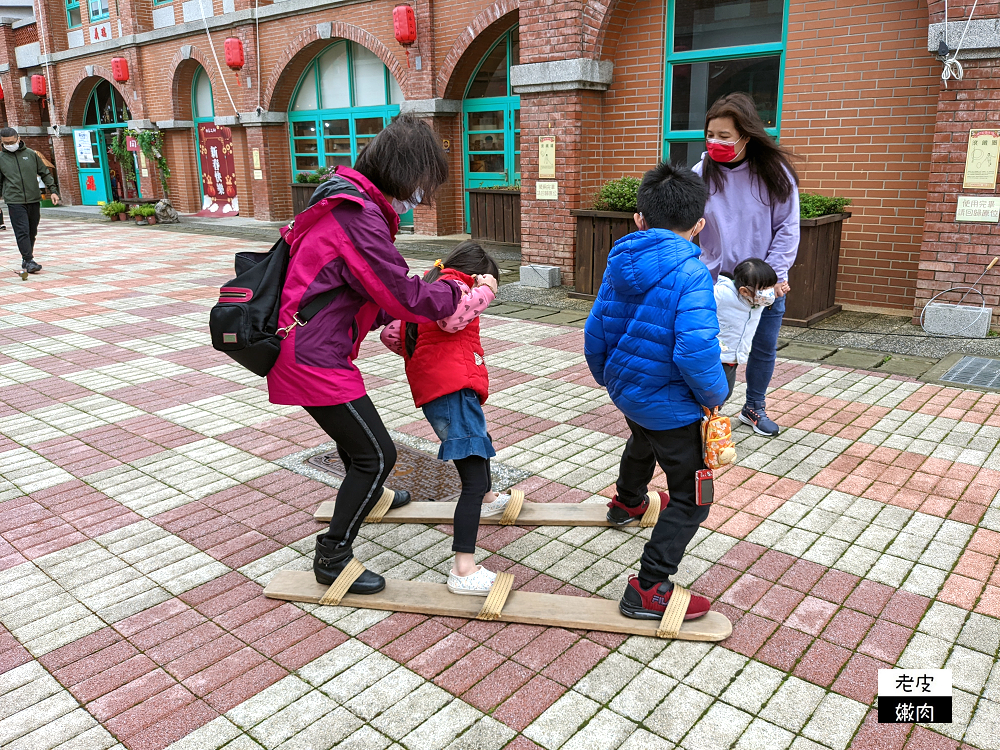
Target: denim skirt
(460, 424)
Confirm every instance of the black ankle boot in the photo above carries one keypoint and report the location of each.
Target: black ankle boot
(330, 561)
(399, 499)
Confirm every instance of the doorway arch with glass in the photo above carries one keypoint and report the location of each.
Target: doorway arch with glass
(491, 119)
(345, 97)
(202, 110)
(102, 178)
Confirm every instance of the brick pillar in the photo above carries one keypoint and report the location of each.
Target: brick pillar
(65, 161)
(956, 253)
(185, 172)
(20, 113)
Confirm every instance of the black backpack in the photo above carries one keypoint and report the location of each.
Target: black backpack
(244, 322)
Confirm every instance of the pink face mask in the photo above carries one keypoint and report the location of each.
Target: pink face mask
(722, 150)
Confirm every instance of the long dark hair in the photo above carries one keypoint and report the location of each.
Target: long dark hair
(469, 258)
(769, 163)
(407, 155)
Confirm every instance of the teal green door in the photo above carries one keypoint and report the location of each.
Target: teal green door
(491, 121)
(93, 183)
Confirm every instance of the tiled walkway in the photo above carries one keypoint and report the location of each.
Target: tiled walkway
(142, 510)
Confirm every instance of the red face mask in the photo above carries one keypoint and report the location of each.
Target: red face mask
(722, 150)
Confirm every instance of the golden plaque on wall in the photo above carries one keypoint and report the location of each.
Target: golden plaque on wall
(547, 157)
(981, 160)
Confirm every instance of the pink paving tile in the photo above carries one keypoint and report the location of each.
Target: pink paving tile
(82, 648)
(415, 641)
(924, 739)
(204, 655)
(859, 680)
(469, 670)
(497, 686)
(906, 609)
(171, 727)
(784, 648)
(12, 653)
(802, 576)
(481, 631)
(309, 648)
(835, 586)
(528, 703)
(821, 663)
(989, 603)
(223, 672)
(778, 603)
(749, 634)
(543, 650)
(141, 690)
(746, 591)
(886, 641)
(742, 555)
(575, 663)
(513, 638)
(811, 615)
(960, 591)
(522, 743)
(875, 736)
(441, 655)
(715, 580)
(848, 628)
(237, 690)
(870, 597)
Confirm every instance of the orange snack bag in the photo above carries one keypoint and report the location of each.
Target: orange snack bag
(717, 440)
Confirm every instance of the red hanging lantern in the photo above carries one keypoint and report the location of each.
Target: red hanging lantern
(119, 69)
(1, 93)
(234, 53)
(404, 24)
(38, 85)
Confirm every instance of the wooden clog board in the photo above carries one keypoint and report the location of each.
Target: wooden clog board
(526, 607)
(532, 514)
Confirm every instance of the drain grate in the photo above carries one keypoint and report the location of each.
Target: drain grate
(981, 371)
(422, 475)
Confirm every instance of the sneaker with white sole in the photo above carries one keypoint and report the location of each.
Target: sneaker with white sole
(755, 416)
(474, 584)
(495, 508)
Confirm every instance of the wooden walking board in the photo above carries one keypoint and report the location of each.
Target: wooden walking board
(521, 513)
(524, 607)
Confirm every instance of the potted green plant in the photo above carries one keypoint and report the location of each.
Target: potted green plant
(598, 228)
(304, 185)
(114, 210)
(136, 213)
(813, 278)
(495, 213)
(149, 213)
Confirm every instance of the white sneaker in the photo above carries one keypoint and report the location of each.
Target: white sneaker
(474, 584)
(495, 508)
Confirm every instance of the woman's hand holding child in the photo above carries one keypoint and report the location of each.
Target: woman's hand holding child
(486, 279)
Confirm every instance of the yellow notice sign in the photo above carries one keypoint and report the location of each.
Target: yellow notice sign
(978, 209)
(546, 191)
(256, 159)
(981, 160)
(547, 157)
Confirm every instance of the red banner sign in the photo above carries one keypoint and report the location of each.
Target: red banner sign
(131, 143)
(218, 170)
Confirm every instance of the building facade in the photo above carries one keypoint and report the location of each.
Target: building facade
(850, 86)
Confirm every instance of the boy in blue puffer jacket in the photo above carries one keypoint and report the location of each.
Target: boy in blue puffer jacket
(652, 341)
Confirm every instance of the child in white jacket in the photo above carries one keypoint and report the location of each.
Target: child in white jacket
(740, 300)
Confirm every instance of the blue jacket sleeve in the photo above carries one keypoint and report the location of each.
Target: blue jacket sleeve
(697, 353)
(595, 348)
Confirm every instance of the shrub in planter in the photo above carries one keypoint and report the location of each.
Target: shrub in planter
(136, 213)
(114, 210)
(618, 195)
(316, 177)
(148, 212)
(813, 278)
(812, 206)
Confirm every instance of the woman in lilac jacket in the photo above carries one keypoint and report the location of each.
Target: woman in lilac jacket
(752, 212)
(345, 241)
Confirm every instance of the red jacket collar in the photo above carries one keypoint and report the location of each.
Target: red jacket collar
(450, 274)
(375, 194)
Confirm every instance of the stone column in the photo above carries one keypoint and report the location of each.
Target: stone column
(561, 98)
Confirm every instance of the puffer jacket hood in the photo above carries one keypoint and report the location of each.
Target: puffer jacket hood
(652, 335)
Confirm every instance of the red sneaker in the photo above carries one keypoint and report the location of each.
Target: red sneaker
(620, 514)
(649, 604)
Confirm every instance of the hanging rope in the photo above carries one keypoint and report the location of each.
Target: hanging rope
(256, 39)
(219, 67)
(952, 67)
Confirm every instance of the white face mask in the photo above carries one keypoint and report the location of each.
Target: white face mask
(11, 146)
(764, 297)
(401, 207)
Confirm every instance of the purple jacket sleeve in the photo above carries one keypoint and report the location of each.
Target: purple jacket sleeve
(784, 235)
(381, 270)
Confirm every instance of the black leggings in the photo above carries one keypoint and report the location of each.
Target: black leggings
(476, 482)
(368, 454)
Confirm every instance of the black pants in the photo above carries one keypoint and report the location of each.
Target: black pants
(368, 454)
(476, 482)
(730, 370)
(678, 452)
(24, 221)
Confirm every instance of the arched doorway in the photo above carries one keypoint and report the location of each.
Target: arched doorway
(101, 175)
(202, 111)
(343, 99)
(491, 118)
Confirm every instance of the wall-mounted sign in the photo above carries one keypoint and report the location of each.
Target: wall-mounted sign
(131, 143)
(547, 157)
(981, 160)
(218, 170)
(978, 209)
(84, 148)
(100, 33)
(546, 191)
(256, 158)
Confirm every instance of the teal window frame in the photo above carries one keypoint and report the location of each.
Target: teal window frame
(198, 120)
(770, 49)
(162, 2)
(72, 5)
(101, 14)
(317, 116)
(105, 131)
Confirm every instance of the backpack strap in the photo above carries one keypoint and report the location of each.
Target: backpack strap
(308, 312)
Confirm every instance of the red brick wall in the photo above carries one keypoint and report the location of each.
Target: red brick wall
(26, 35)
(859, 106)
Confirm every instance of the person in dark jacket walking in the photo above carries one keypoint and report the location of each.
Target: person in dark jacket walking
(652, 340)
(20, 168)
(345, 240)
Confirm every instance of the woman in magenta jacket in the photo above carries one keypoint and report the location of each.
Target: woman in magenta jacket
(345, 240)
(752, 212)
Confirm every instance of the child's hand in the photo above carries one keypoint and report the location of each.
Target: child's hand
(486, 280)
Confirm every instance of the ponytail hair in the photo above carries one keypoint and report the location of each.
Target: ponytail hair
(469, 258)
(769, 163)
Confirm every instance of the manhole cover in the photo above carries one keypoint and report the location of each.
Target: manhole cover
(981, 371)
(422, 475)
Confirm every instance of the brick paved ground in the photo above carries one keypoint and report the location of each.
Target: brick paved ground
(142, 511)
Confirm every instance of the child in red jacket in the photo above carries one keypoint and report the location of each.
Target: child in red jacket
(447, 372)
